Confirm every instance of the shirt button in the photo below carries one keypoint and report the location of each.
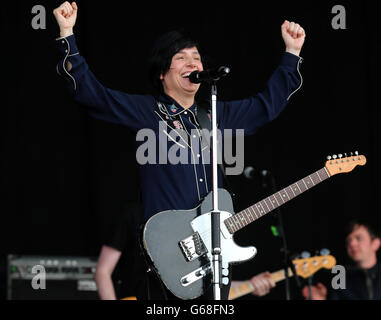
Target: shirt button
(66, 50)
(63, 41)
(194, 136)
(185, 112)
(201, 180)
(198, 156)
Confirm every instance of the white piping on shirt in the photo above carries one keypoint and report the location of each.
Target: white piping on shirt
(172, 128)
(64, 62)
(173, 139)
(301, 79)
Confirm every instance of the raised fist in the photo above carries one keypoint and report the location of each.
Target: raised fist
(66, 16)
(293, 36)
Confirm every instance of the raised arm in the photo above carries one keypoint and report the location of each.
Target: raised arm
(255, 111)
(101, 102)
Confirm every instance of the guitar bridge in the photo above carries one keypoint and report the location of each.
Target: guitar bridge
(193, 247)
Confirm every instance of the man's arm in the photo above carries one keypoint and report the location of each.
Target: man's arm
(255, 111)
(101, 102)
(260, 284)
(107, 261)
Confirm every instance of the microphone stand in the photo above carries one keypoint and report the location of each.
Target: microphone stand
(212, 76)
(215, 216)
(287, 260)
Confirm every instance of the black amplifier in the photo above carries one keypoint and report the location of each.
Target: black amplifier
(51, 278)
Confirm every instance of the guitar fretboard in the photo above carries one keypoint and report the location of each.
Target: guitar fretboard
(250, 214)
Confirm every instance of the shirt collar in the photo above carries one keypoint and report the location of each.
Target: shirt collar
(174, 108)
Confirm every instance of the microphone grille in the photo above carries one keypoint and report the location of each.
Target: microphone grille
(224, 69)
(247, 172)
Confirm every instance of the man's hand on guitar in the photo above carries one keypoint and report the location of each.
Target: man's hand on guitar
(262, 284)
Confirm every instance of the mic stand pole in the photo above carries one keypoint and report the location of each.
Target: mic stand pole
(309, 287)
(215, 216)
(285, 249)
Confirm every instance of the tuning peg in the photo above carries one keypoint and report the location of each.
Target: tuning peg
(324, 252)
(305, 255)
(356, 153)
(345, 155)
(340, 155)
(329, 158)
(334, 156)
(351, 154)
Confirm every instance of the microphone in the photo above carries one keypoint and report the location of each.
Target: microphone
(250, 173)
(208, 75)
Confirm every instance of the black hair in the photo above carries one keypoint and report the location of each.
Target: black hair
(353, 224)
(164, 48)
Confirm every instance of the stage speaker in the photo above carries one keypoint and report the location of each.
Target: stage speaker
(51, 278)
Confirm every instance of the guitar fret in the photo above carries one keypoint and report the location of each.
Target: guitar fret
(268, 208)
(272, 202)
(231, 224)
(293, 192)
(317, 172)
(249, 215)
(254, 212)
(316, 178)
(244, 217)
(228, 225)
(305, 184)
(278, 196)
(235, 222)
(238, 222)
(302, 186)
(267, 204)
(260, 210)
(298, 187)
(275, 201)
(282, 196)
(289, 193)
(311, 180)
(263, 208)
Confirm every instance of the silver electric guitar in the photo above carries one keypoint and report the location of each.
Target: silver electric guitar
(178, 242)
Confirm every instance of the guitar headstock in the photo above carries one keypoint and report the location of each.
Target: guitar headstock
(305, 268)
(342, 164)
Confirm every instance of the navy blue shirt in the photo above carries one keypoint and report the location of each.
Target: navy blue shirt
(167, 186)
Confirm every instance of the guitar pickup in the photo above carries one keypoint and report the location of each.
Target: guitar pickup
(193, 247)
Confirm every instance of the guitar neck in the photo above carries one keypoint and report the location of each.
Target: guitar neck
(249, 215)
(246, 287)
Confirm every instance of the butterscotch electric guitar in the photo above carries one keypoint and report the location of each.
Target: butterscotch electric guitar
(304, 268)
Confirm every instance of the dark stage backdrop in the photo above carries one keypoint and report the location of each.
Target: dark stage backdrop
(65, 176)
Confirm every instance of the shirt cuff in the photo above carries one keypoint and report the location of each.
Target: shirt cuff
(67, 46)
(291, 60)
